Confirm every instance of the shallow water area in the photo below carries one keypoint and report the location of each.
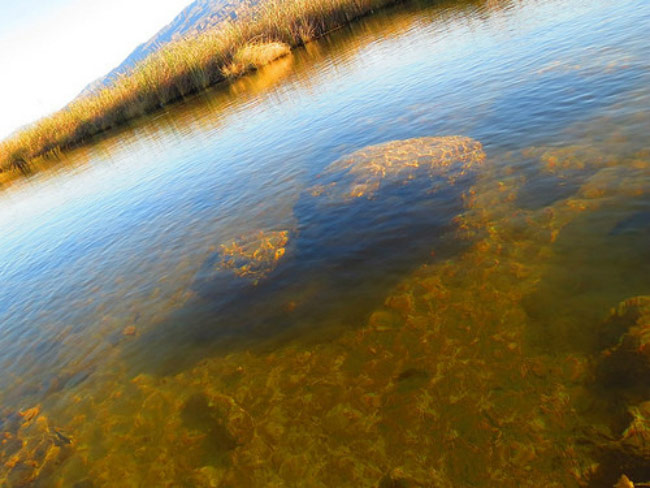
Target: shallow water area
(279, 282)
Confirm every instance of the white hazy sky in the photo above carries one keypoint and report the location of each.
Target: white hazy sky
(51, 49)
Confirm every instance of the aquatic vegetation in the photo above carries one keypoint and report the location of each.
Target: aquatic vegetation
(621, 373)
(570, 160)
(129, 330)
(361, 174)
(253, 256)
(31, 448)
(253, 56)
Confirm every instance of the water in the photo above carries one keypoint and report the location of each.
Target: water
(432, 332)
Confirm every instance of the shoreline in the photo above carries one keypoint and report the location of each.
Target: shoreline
(178, 70)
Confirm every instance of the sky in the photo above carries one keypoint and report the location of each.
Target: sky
(51, 49)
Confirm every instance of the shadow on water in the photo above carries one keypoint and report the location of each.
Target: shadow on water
(341, 261)
(617, 409)
(600, 259)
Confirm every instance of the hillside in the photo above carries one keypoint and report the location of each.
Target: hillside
(197, 17)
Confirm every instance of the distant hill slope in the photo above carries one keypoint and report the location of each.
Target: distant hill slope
(195, 18)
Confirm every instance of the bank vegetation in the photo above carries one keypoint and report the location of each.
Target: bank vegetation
(257, 36)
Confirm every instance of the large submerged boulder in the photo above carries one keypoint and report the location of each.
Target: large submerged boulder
(441, 160)
(372, 215)
(383, 201)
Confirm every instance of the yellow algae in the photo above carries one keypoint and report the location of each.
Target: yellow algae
(627, 333)
(32, 450)
(129, 330)
(568, 161)
(624, 482)
(363, 172)
(255, 255)
(341, 413)
(30, 413)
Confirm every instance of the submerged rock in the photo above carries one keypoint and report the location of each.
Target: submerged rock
(635, 224)
(626, 363)
(622, 377)
(249, 257)
(362, 173)
(628, 457)
(222, 422)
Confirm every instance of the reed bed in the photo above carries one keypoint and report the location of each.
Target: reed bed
(259, 35)
(252, 56)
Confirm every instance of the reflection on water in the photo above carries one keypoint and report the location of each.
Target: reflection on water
(303, 278)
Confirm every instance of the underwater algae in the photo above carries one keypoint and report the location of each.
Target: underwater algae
(437, 388)
(397, 162)
(255, 255)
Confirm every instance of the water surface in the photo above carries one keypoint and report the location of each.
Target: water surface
(432, 333)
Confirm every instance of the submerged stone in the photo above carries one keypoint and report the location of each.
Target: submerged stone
(225, 424)
(364, 172)
(376, 211)
(626, 363)
(628, 457)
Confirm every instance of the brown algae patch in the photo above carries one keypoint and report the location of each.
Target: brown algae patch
(253, 256)
(31, 448)
(363, 172)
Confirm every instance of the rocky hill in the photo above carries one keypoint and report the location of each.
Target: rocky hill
(194, 19)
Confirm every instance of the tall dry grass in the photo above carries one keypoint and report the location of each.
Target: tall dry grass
(181, 68)
(254, 55)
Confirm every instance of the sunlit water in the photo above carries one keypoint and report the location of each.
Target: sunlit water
(434, 332)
